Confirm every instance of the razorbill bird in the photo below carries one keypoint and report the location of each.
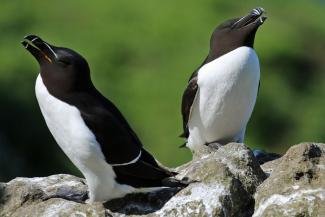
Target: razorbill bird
(90, 130)
(221, 93)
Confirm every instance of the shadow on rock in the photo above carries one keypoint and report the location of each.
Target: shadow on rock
(141, 203)
(2, 194)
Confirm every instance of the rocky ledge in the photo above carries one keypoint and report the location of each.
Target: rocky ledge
(229, 182)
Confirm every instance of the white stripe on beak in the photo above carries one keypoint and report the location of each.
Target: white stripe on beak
(256, 12)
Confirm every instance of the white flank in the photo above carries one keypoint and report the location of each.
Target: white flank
(225, 99)
(79, 144)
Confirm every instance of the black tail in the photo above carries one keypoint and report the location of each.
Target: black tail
(146, 172)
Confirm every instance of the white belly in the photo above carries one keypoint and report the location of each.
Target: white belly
(79, 144)
(225, 99)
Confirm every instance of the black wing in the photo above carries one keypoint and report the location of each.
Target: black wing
(187, 102)
(144, 173)
(118, 141)
(188, 97)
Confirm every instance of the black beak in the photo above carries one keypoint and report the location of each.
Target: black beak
(256, 17)
(41, 50)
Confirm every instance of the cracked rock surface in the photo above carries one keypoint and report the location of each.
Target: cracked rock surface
(296, 185)
(229, 182)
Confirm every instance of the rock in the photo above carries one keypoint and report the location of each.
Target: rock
(228, 182)
(268, 167)
(38, 197)
(296, 186)
(226, 179)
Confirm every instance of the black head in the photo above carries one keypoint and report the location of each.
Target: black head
(63, 70)
(236, 32)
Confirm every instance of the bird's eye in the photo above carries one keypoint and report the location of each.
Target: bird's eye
(64, 62)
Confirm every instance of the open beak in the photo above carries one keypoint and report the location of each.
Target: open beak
(41, 50)
(255, 17)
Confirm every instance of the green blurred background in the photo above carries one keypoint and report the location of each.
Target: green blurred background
(141, 54)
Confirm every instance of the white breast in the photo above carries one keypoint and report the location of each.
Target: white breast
(79, 144)
(67, 127)
(226, 97)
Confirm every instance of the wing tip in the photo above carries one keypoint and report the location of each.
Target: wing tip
(172, 182)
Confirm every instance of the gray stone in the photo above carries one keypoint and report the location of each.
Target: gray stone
(39, 196)
(226, 176)
(268, 167)
(228, 181)
(225, 179)
(296, 185)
